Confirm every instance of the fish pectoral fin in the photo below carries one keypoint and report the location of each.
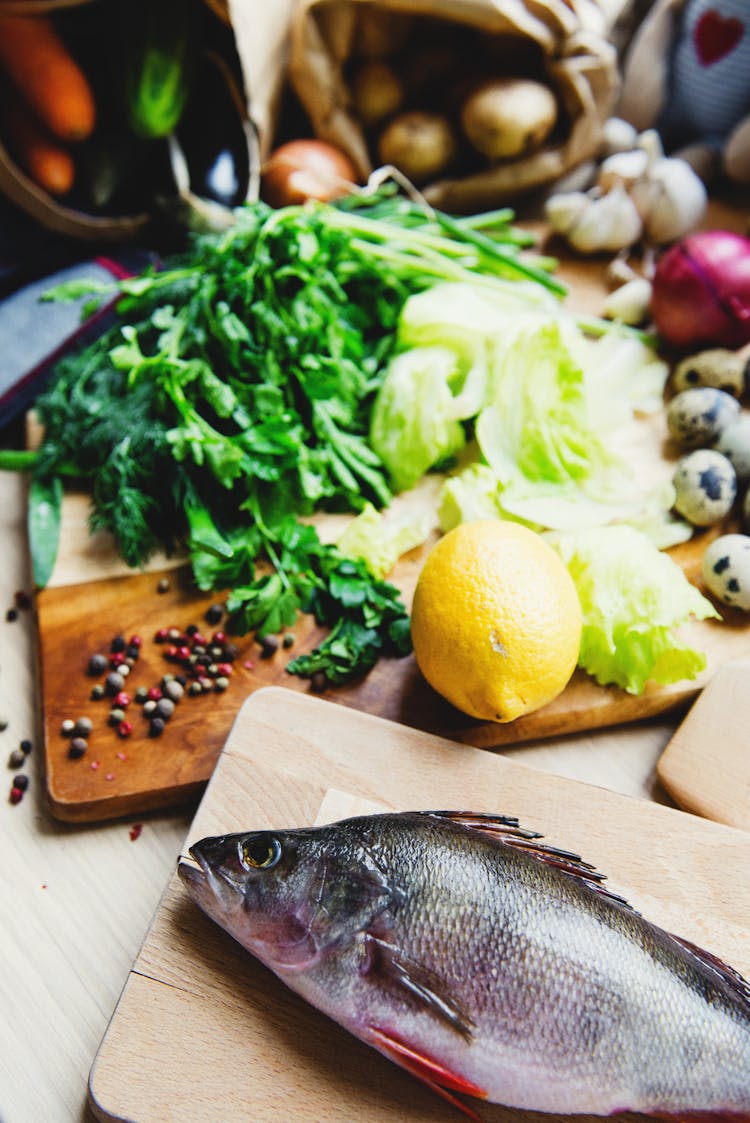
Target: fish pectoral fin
(435, 1075)
(391, 963)
(506, 829)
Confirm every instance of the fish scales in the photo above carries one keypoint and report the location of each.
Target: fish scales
(471, 956)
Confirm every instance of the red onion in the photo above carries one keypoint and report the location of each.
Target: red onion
(701, 291)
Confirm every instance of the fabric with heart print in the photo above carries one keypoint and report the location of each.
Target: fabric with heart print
(709, 86)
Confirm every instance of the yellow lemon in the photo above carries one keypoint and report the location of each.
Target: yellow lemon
(496, 620)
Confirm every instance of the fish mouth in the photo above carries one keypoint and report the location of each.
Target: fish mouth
(191, 871)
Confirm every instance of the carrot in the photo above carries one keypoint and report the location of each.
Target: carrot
(47, 76)
(47, 162)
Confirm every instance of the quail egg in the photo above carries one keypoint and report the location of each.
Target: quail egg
(698, 416)
(734, 443)
(719, 367)
(705, 486)
(726, 569)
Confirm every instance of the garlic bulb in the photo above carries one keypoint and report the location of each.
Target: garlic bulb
(671, 200)
(622, 168)
(563, 210)
(609, 222)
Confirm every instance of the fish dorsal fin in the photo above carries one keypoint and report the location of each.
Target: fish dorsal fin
(731, 978)
(506, 829)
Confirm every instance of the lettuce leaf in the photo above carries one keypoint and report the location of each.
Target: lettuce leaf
(633, 598)
(380, 540)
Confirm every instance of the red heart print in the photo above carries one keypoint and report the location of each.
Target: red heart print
(716, 35)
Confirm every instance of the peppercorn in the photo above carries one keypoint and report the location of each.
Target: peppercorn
(67, 727)
(114, 682)
(125, 728)
(132, 651)
(122, 699)
(116, 715)
(231, 651)
(181, 679)
(226, 669)
(149, 706)
(165, 708)
(11, 615)
(160, 635)
(83, 726)
(221, 684)
(3, 723)
(97, 692)
(195, 688)
(269, 645)
(97, 664)
(135, 641)
(154, 693)
(16, 759)
(26, 746)
(77, 748)
(118, 643)
(21, 781)
(163, 585)
(174, 690)
(214, 613)
(156, 727)
(16, 794)
(22, 599)
(141, 695)
(288, 640)
(124, 669)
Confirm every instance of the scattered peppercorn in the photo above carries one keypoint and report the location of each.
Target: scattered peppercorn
(221, 684)
(16, 795)
(163, 585)
(21, 781)
(97, 692)
(22, 599)
(165, 708)
(269, 645)
(3, 723)
(195, 688)
(214, 613)
(124, 729)
(114, 683)
(116, 715)
(26, 746)
(149, 706)
(174, 690)
(118, 644)
(77, 748)
(156, 727)
(16, 759)
(97, 664)
(122, 699)
(288, 640)
(83, 726)
(67, 727)
(11, 615)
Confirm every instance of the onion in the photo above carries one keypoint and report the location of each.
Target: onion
(701, 291)
(306, 169)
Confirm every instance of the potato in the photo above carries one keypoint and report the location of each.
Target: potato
(507, 117)
(421, 145)
(377, 93)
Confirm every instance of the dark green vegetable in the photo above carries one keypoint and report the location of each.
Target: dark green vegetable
(232, 397)
(158, 39)
(45, 510)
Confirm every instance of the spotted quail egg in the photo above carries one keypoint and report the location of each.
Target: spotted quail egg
(705, 486)
(697, 417)
(734, 442)
(719, 367)
(726, 569)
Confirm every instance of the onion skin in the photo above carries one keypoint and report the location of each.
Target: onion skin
(701, 291)
(306, 169)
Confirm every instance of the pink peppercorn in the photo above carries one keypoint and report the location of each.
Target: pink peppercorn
(154, 693)
(135, 641)
(219, 637)
(161, 635)
(199, 639)
(116, 659)
(225, 668)
(183, 653)
(16, 794)
(125, 728)
(122, 699)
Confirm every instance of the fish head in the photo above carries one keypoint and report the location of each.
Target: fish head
(290, 896)
(259, 886)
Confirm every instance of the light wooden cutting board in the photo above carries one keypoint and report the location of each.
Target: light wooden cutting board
(203, 1032)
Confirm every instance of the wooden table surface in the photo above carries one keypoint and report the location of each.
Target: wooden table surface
(77, 901)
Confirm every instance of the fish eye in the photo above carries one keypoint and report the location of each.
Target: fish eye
(260, 852)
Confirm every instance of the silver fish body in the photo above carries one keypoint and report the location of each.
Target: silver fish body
(485, 962)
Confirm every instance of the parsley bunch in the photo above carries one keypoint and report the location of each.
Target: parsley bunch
(231, 396)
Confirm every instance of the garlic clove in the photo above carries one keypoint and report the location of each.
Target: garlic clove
(618, 136)
(630, 303)
(610, 222)
(671, 200)
(622, 168)
(649, 142)
(563, 210)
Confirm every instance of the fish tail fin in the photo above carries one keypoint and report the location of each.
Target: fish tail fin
(430, 1072)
